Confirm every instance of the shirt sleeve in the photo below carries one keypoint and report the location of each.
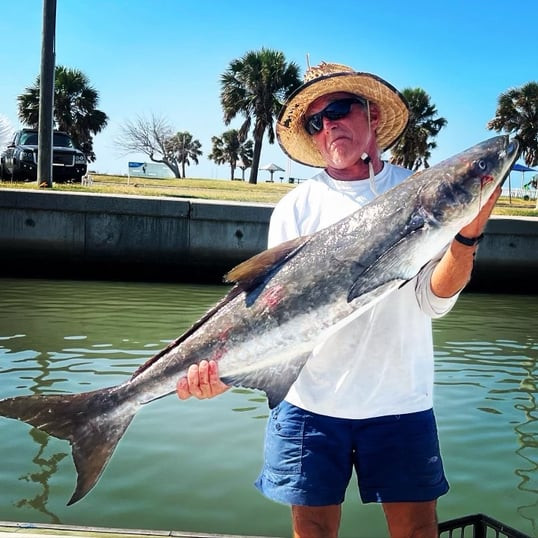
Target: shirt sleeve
(429, 303)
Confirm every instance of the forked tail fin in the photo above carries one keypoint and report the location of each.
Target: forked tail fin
(93, 422)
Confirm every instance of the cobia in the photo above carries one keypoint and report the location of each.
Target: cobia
(284, 300)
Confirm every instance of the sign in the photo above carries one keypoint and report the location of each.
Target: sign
(149, 170)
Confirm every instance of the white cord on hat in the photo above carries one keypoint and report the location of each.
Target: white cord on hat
(366, 158)
(371, 175)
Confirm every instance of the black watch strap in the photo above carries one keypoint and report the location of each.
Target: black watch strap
(468, 241)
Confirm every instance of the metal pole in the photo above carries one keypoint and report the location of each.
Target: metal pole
(46, 95)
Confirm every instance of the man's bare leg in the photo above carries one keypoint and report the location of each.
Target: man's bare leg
(316, 521)
(412, 520)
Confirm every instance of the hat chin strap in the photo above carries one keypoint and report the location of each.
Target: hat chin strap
(371, 175)
(366, 159)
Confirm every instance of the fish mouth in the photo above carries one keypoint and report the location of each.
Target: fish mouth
(512, 148)
(510, 154)
(506, 157)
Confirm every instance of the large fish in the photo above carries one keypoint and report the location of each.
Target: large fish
(284, 298)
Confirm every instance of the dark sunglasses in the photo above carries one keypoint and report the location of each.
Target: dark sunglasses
(333, 111)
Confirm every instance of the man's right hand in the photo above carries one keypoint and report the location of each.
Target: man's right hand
(202, 381)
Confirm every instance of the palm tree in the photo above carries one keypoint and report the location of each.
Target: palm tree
(230, 149)
(413, 149)
(182, 148)
(75, 108)
(256, 86)
(517, 112)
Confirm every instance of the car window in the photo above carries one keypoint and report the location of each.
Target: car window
(29, 139)
(62, 140)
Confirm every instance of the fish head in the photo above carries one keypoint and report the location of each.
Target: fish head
(458, 187)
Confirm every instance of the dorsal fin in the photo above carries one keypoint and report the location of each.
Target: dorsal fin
(254, 270)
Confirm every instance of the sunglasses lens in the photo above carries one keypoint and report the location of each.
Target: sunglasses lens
(314, 124)
(337, 110)
(333, 111)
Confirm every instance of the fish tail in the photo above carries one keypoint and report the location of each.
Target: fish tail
(93, 423)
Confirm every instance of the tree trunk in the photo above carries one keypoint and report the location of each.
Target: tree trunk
(256, 160)
(174, 168)
(172, 165)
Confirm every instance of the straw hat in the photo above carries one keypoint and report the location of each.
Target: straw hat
(329, 78)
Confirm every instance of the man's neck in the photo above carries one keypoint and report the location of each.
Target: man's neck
(356, 172)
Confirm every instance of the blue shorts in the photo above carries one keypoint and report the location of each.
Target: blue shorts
(309, 458)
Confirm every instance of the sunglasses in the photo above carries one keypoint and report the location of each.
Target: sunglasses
(333, 111)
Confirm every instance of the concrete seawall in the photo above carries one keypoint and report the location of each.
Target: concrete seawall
(45, 233)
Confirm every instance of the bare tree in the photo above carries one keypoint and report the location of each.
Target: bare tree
(150, 137)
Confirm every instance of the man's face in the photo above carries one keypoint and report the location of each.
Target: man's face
(341, 142)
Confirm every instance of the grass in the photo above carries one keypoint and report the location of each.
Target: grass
(215, 189)
(515, 207)
(207, 189)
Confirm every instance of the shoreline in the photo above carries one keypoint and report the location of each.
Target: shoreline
(103, 237)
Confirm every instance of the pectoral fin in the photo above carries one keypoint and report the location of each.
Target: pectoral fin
(275, 381)
(396, 264)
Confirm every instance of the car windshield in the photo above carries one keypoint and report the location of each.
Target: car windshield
(59, 140)
(62, 140)
(29, 139)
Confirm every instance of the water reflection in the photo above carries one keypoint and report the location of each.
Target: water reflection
(527, 433)
(42, 380)
(60, 336)
(495, 355)
(48, 466)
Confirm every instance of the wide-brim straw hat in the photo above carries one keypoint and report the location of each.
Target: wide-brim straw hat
(330, 78)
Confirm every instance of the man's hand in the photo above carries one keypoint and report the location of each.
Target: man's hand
(454, 269)
(202, 381)
(478, 225)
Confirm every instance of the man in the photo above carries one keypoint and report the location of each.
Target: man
(364, 398)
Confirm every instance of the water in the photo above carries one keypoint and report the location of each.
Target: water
(190, 465)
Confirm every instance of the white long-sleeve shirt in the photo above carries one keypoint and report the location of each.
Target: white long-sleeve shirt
(381, 362)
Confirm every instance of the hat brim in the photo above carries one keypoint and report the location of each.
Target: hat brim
(300, 146)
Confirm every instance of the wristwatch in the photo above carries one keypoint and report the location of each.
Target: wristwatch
(468, 241)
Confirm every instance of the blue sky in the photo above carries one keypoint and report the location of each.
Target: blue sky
(165, 57)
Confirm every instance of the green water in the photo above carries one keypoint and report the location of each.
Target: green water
(190, 465)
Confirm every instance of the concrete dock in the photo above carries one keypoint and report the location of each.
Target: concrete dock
(79, 235)
(37, 530)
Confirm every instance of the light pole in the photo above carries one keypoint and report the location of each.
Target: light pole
(46, 95)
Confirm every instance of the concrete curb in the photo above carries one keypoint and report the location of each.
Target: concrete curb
(45, 233)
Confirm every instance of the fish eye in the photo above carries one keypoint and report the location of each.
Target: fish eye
(482, 165)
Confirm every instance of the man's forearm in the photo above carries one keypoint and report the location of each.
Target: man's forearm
(453, 271)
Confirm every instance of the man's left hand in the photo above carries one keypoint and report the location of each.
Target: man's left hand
(477, 226)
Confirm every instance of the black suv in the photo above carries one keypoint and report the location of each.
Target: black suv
(18, 161)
